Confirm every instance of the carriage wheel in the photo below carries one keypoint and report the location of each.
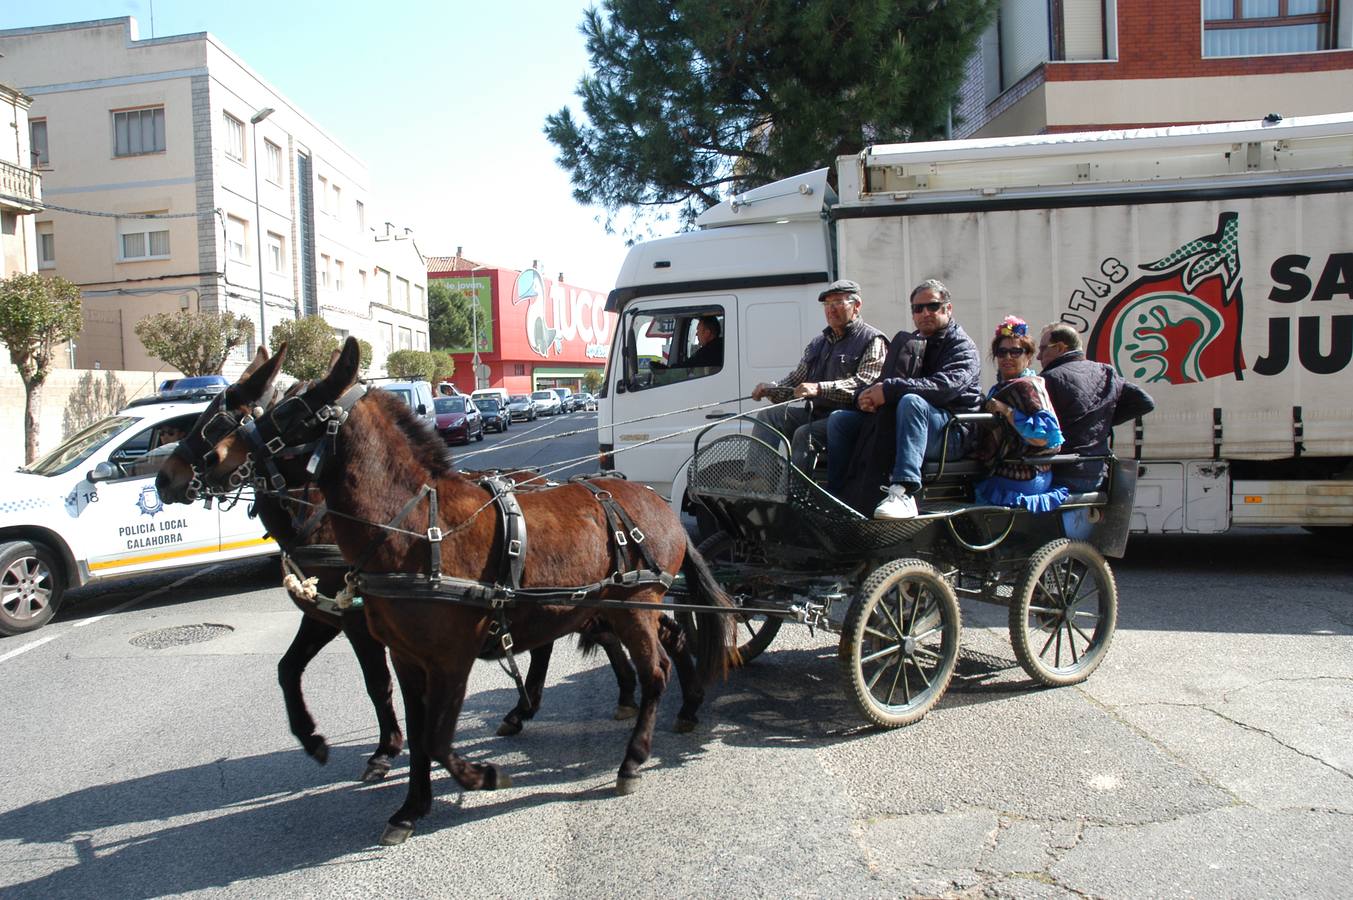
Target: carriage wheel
(1063, 613)
(754, 633)
(900, 642)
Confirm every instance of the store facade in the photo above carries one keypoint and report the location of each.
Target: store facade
(532, 332)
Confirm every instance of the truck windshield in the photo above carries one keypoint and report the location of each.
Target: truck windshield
(79, 447)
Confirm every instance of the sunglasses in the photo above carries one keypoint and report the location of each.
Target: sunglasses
(918, 308)
(1010, 351)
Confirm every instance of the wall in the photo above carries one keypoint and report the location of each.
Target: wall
(70, 400)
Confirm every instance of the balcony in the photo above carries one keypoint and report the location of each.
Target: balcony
(19, 188)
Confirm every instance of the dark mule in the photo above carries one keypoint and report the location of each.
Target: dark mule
(378, 463)
(309, 542)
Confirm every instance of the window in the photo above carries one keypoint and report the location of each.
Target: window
(323, 194)
(402, 293)
(361, 216)
(234, 137)
(143, 239)
(138, 131)
(237, 239)
(361, 281)
(671, 345)
(420, 341)
(37, 143)
(277, 255)
(46, 246)
(324, 265)
(418, 307)
(1258, 27)
(388, 332)
(405, 338)
(338, 275)
(274, 153)
(519, 368)
(337, 205)
(383, 286)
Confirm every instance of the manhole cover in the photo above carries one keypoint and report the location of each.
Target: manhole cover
(179, 635)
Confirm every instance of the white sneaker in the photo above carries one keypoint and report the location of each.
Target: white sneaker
(897, 505)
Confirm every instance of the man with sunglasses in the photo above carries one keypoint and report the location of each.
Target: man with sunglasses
(1090, 398)
(930, 375)
(837, 363)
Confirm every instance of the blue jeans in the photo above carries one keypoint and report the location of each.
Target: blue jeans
(920, 427)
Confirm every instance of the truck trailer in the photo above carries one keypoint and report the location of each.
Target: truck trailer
(1211, 264)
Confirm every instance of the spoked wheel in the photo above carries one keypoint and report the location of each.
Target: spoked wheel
(900, 642)
(754, 632)
(1063, 613)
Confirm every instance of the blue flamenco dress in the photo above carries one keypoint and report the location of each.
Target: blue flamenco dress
(1023, 484)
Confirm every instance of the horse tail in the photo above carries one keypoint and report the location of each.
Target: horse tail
(594, 635)
(715, 652)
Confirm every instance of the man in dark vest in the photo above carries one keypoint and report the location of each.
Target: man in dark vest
(845, 357)
(930, 375)
(1090, 399)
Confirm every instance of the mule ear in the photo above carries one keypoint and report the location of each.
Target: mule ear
(257, 381)
(260, 357)
(343, 370)
(333, 358)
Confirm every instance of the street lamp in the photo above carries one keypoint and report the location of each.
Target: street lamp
(474, 324)
(258, 226)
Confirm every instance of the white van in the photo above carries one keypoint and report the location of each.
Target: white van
(499, 394)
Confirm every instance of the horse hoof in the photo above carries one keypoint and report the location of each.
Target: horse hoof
(376, 770)
(685, 726)
(318, 748)
(625, 786)
(507, 729)
(623, 712)
(395, 835)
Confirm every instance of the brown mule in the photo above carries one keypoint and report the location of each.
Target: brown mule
(377, 463)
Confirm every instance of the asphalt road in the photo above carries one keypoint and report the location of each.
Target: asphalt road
(147, 755)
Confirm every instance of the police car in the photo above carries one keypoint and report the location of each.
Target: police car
(88, 512)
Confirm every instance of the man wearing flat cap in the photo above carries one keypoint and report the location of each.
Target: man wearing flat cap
(846, 357)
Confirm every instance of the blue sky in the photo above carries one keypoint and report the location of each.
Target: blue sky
(444, 101)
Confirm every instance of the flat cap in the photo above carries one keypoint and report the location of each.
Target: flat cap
(840, 286)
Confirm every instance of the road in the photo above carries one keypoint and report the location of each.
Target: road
(1209, 756)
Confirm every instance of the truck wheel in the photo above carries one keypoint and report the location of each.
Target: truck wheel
(31, 587)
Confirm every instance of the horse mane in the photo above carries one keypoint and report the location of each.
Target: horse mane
(427, 445)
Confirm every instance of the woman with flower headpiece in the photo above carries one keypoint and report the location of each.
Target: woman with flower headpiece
(1028, 427)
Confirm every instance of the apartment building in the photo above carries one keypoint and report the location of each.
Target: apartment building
(1069, 65)
(175, 177)
(20, 187)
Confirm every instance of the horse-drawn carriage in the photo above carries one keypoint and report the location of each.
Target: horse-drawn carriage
(786, 550)
(448, 574)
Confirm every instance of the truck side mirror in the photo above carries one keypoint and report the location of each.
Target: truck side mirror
(422, 410)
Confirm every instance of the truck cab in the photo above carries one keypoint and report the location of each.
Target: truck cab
(757, 265)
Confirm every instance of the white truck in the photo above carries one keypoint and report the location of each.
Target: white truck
(1213, 265)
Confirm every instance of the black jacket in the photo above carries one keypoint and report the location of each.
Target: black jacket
(1090, 398)
(944, 369)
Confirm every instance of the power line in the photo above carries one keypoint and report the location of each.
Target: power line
(109, 215)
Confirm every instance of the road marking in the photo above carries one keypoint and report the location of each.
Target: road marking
(26, 647)
(146, 596)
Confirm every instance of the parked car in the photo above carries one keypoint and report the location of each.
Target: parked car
(458, 420)
(88, 512)
(522, 407)
(495, 413)
(196, 387)
(418, 394)
(589, 402)
(547, 403)
(499, 394)
(566, 399)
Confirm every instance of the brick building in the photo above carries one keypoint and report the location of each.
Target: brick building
(1070, 65)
